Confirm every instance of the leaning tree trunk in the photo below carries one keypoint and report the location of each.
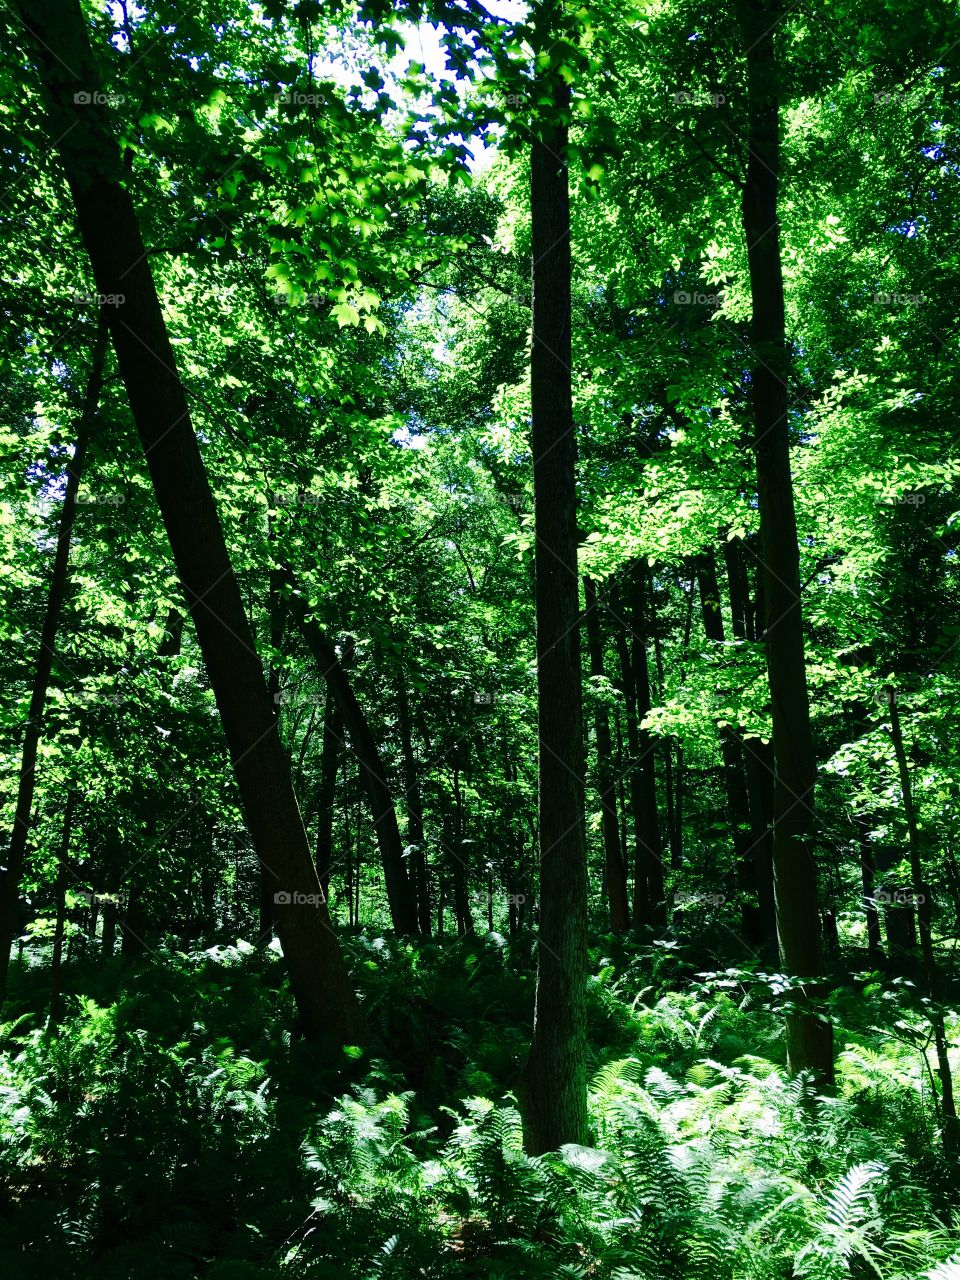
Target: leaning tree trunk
(373, 773)
(108, 224)
(809, 1036)
(554, 1090)
(16, 856)
(614, 867)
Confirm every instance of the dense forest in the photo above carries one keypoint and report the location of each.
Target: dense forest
(480, 619)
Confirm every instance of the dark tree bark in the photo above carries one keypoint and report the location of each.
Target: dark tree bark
(809, 1037)
(614, 868)
(108, 223)
(414, 808)
(327, 789)
(11, 876)
(373, 773)
(921, 896)
(757, 755)
(459, 857)
(56, 959)
(649, 867)
(868, 871)
(734, 773)
(554, 1086)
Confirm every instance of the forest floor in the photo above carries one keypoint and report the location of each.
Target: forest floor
(175, 1127)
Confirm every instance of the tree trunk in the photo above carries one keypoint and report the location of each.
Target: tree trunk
(10, 877)
(56, 959)
(809, 1037)
(414, 807)
(921, 896)
(649, 842)
(554, 1092)
(327, 790)
(734, 778)
(373, 772)
(615, 870)
(110, 231)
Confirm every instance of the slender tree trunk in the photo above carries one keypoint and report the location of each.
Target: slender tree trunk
(757, 756)
(554, 1086)
(460, 863)
(921, 896)
(867, 878)
(80, 126)
(615, 870)
(414, 807)
(56, 960)
(373, 773)
(734, 778)
(638, 793)
(809, 1037)
(327, 790)
(11, 875)
(649, 841)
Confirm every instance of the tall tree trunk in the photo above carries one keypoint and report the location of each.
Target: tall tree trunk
(414, 807)
(327, 790)
(921, 896)
(867, 875)
(460, 863)
(373, 773)
(649, 840)
(80, 126)
(554, 1085)
(56, 959)
(11, 875)
(757, 755)
(734, 778)
(615, 870)
(809, 1037)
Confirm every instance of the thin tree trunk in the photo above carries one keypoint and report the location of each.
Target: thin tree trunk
(373, 772)
(734, 778)
(80, 126)
(56, 960)
(615, 870)
(11, 875)
(921, 896)
(809, 1036)
(327, 791)
(414, 807)
(554, 1084)
(867, 875)
(649, 841)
